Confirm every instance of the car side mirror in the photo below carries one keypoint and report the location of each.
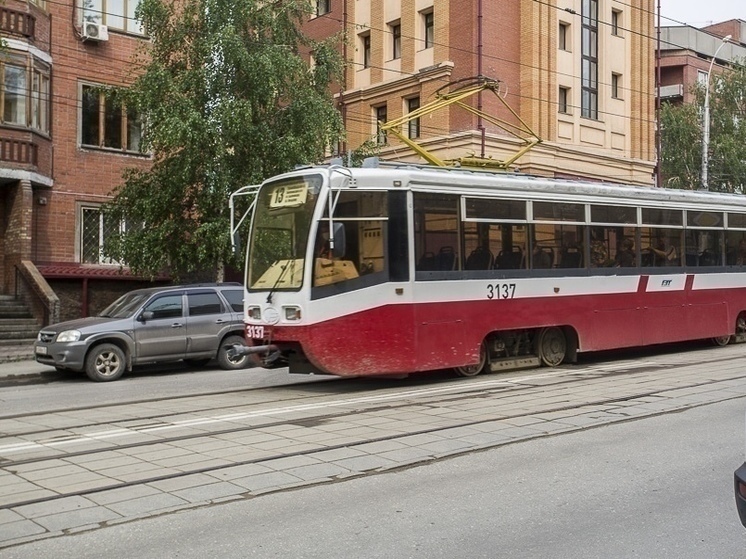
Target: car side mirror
(145, 316)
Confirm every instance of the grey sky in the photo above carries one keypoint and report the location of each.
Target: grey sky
(699, 13)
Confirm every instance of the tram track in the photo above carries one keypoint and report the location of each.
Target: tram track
(306, 452)
(427, 399)
(572, 372)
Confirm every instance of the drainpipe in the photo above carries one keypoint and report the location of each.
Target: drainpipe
(480, 124)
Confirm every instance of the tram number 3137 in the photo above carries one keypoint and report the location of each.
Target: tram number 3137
(500, 291)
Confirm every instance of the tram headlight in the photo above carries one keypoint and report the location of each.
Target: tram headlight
(292, 313)
(254, 313)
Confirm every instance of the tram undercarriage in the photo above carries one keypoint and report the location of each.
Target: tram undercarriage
(524, 349)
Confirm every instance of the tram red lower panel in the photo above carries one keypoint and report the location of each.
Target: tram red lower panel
(407, 338)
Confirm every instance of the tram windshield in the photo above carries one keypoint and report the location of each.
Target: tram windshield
(279, 236)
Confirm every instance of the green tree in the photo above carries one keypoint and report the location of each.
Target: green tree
(681, 139)
(227, 100)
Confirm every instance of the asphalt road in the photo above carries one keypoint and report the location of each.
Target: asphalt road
(655, 487)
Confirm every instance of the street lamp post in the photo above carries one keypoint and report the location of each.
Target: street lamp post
(706, 117)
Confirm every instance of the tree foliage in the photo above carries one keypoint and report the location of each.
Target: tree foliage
(227, 101)
(681, 136)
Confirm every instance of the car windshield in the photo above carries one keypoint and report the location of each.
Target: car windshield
(125, 306)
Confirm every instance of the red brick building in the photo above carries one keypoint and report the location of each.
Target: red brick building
(64, 143)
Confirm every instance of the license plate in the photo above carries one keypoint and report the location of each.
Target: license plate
(40, 350)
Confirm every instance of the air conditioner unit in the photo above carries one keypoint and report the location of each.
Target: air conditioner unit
(95, 32)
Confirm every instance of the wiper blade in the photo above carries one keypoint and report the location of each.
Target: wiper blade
(290, 264)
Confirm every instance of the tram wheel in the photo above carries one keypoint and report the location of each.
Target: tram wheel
(474, 370)
(551, 346)
(721, 341)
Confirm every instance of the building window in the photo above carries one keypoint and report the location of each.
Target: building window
(395, 41)
(96, 227)
(41, 3)
(564, 36)
(702, 78)
(615, 86)
(25, 94)
(429, 29)
(323, 7)
(564, 100)
(616, 20)
(14, 94)
(589, 72)
(40, 99)
(117, 14)
(381, 117)
(107, 123)
(365, 48)
(413, 126)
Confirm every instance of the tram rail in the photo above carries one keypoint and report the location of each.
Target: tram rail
(436, 403)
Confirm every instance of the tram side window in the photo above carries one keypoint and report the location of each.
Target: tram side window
(436, 237)
(544, 246)
(704, 238)
(557, 246)
(736, 248)
(613, 245)
(562, 241)
(660, 247)
(704, 247)
(495, 240)
(494, 245)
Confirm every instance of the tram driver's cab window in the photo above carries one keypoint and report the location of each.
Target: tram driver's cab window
(356, 247)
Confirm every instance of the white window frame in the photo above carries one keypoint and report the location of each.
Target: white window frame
(105, 12)
(83, 208)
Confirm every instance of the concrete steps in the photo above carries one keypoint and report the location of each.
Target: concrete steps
(18, 330)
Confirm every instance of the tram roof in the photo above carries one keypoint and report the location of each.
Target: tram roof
(468, 181)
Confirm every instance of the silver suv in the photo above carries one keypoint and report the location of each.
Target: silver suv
(195, 323)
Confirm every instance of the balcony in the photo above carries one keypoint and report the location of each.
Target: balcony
(14, 22)
(19, 152)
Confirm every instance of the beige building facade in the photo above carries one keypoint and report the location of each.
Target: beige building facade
(579, 73)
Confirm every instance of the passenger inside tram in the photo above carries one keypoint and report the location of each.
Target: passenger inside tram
(625, 256)
(737, 256)
(665, 253)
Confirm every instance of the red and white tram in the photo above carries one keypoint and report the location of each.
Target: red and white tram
(388, 271)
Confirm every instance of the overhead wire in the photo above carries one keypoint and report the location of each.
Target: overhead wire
(362, 118)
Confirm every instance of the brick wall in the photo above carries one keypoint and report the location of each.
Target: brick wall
(100, 293)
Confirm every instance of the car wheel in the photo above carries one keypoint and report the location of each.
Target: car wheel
(105, 363)
(225, 362)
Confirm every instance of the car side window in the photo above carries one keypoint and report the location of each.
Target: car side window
(234, 298)
(204, 303)
(168, 306)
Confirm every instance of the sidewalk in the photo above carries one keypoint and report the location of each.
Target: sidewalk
(23, 370)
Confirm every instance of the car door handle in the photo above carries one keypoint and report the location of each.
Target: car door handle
(219, 321)
(176, 325)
